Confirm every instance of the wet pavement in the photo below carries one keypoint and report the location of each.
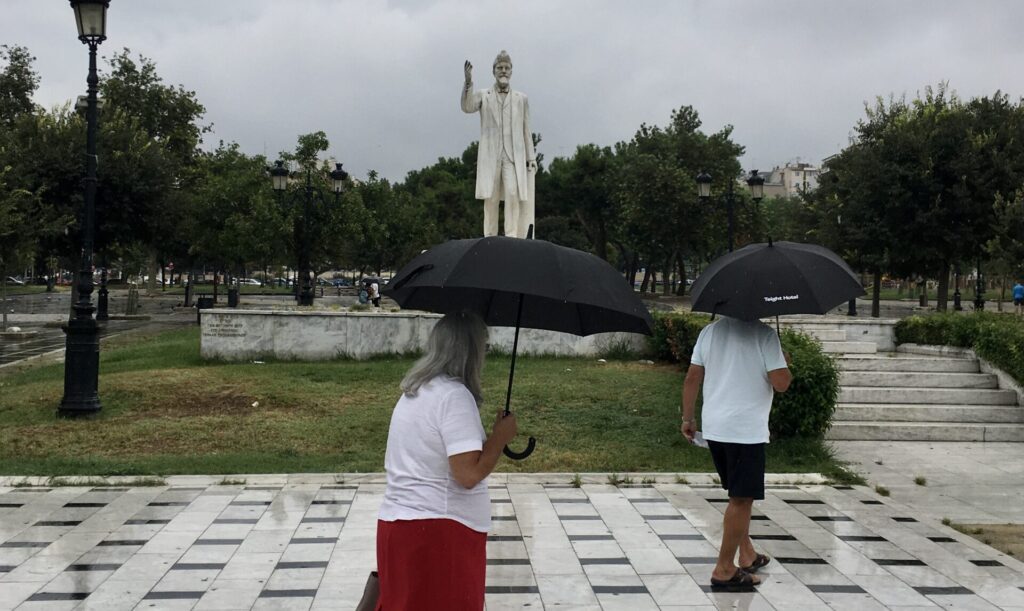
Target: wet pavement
(308, 542)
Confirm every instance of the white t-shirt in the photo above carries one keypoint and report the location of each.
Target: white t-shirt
(737, 356)
(440, 421)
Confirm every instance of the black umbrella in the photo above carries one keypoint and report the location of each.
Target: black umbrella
(521, 283)
(771, 279)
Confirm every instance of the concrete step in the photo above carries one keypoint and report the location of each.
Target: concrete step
(910, 379)
(899, 363)
(827, 335)
(868, 412)
(925, 431)
(932, 396)
(849, 347)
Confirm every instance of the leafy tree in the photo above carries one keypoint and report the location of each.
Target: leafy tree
(446, 191)
(664, 223)
(580, 188)
(170, 117)
(18, 82)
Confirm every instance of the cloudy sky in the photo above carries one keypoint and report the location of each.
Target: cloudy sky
(382, 78)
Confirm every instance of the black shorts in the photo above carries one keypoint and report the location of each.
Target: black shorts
(740, 466)
(1018, 302)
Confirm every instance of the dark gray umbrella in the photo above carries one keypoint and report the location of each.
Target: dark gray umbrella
(772, 279)
(521, 283)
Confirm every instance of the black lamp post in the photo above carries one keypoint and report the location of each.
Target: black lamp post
(279, 175)
(82, 352)
(755, 182)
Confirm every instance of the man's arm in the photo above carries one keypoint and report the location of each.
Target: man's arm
(691, 386)
(531, 154)
(780, 379)
(471, 100)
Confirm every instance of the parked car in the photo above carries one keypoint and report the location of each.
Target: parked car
(250, 282)
(15, 281)
(282, 281)
(338, 282)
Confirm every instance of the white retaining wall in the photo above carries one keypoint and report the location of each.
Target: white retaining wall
(241, 335)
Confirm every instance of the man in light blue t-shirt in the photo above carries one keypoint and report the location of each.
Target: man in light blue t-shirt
(741, 366)
(1018, 297)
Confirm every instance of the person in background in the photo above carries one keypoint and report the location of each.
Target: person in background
(375, 293)
(1018, 298)
(741, 366)
(432, 526)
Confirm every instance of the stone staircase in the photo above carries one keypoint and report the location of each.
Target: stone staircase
(898, 396)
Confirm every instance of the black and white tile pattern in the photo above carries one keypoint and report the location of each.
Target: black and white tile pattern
(293, 543)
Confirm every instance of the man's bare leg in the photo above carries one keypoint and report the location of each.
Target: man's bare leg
(735, 532)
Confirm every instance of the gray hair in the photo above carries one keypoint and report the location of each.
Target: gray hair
(456, 348)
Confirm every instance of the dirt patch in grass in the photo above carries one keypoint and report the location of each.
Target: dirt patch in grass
(1007, 538)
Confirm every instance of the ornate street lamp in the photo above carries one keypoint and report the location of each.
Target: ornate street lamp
(82, 352)
(704, 185)
(279, 176)
(755, 182)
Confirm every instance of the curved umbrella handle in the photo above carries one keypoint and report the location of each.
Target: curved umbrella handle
(530, 445)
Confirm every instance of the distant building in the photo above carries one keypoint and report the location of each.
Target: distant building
(791, 179)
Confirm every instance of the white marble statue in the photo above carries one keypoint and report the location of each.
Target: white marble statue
(506, 161)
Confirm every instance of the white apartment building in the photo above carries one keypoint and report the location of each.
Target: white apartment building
(791, 179)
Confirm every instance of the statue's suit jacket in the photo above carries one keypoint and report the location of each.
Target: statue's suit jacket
(489, 153)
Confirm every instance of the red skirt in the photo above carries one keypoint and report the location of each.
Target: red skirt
(430, 565)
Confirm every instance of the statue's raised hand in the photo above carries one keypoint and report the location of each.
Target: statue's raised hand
(468, 70)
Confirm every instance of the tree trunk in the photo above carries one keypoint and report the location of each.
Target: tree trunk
(876, 295)
(151, 283)
(666, 287)
(601, 244)
(681, 266)
(163, 278)
(216, 276)
(647, 277)
(3, 296)
(942, 293)
(1003, 280)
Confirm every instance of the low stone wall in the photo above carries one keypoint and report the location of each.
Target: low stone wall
(242, 335)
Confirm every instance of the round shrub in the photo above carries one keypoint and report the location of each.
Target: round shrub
(806, 409)
(675, 334)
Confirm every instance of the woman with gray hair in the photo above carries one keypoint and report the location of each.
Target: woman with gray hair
(433, 523)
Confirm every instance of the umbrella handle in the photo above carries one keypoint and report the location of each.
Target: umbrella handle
(530, 445)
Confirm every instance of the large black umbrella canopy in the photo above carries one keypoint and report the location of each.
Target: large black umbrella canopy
(772, 279)
(512, 282)
(560, 288)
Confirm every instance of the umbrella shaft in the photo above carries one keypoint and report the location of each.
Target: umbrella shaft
(515, 348)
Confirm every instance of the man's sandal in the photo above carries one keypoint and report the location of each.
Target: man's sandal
(741, 581)
(760, 561)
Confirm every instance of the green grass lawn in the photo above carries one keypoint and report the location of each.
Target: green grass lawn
(167, 411)
(26, 289)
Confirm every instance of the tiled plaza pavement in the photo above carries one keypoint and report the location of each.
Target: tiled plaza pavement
(302, 542)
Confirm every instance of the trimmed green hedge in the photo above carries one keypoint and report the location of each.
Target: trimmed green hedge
(997, 338)
(805, 410)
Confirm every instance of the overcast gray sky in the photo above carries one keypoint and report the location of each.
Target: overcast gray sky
(382, 78)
